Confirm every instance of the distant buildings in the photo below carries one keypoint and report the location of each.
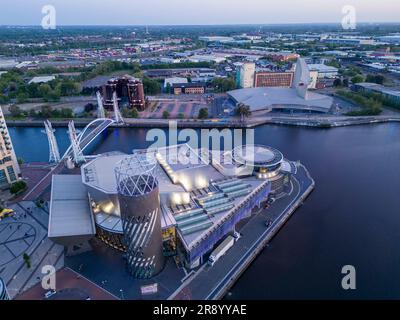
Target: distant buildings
(169, 82)
(350, 41)
(129, 91)
(180, 72)
(42, 79)
(8, 63)
(189, 88)
(324, 71)
(216, 39)
(207, 58)
(245, 75)
(389, 94)
(9, 167)
(273, 79)
(280, 56)
(392, 39)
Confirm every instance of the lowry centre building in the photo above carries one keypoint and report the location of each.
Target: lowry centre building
(169, 202)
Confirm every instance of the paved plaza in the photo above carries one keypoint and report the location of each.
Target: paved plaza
(176, 108)
(26, 233)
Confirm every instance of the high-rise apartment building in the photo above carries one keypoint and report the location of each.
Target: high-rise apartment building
(9, 167)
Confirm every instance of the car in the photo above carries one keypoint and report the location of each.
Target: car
(6, 213)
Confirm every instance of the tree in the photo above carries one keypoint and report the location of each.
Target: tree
(134, 113)
(181, 115)
(337, 82)
(379, 79)
(15, 111)
(223, 84)
(22, 97)
(44, 90)
(46, 111)
(165, 114)
(203, 113)
(243, 111)
(357, 79)
(89, 107)
(66, 113)
(130, 113)
(333, 63)
(18, 187)
(27, 260)
(33, 113)
(151, 86)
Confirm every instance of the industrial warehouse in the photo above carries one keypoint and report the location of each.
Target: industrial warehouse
(174, 202)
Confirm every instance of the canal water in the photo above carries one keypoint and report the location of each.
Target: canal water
(351, 218)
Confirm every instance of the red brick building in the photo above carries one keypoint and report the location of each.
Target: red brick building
(273, 79)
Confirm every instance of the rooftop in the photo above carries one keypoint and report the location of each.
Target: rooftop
(269, 98)
(70, 214)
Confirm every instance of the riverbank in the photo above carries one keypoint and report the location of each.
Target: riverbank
(312, 122)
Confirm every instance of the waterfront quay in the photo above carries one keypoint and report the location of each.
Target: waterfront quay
(212, 283)
(312, 121)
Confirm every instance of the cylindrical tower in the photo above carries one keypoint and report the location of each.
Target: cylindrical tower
(139, 202)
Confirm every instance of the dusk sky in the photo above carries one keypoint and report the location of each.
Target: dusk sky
(153, 12)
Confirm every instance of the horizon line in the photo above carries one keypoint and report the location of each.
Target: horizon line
(205, 24)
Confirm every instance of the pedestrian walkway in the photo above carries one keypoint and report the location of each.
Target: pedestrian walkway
(26, 233)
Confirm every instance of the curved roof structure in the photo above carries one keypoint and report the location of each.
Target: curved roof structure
(281, 98)
(257, 155)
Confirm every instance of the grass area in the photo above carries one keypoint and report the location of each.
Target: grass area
(370, 106)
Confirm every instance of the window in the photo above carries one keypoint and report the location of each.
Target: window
(11, 173)
(3, 177)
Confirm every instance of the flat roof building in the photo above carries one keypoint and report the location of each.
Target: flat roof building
(42, 79)
(189, 88)
(323, 70)
(387, 93)
(71, 222)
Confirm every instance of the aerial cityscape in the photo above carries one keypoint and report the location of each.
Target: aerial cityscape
(184, 156)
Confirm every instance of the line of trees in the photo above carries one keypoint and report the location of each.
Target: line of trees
(45, 112)
(14, 87)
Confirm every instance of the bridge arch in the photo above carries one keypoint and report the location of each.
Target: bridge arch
(84, 138)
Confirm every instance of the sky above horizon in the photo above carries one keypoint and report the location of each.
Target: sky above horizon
(190, 12)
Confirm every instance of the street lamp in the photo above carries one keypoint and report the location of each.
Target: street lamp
(122, 294)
